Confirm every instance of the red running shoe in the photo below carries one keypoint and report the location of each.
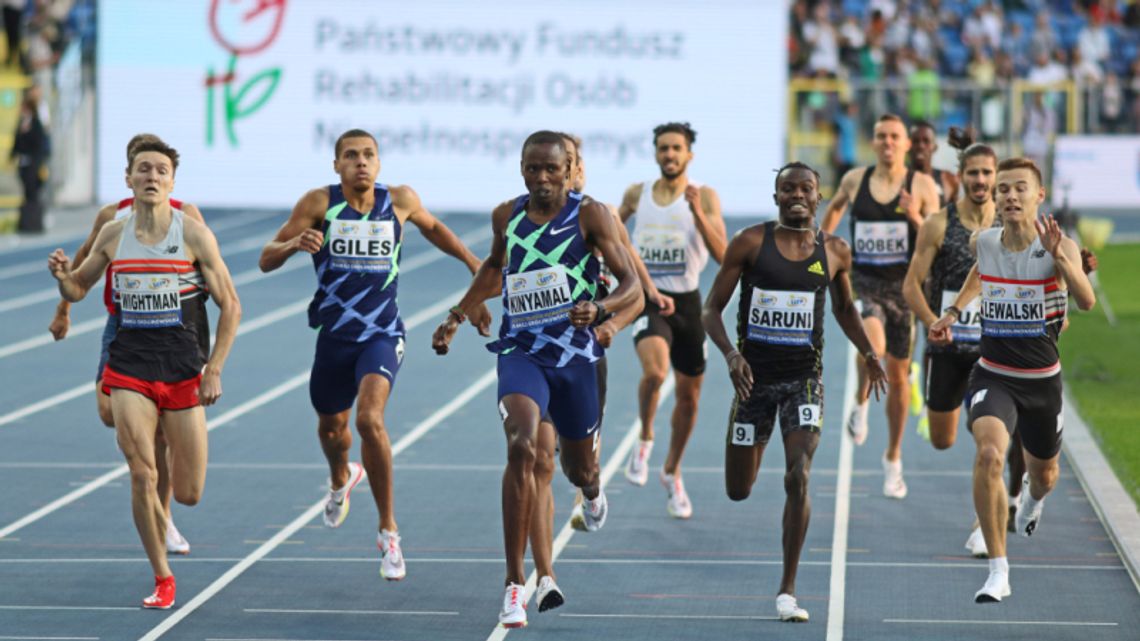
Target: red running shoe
(163, 596)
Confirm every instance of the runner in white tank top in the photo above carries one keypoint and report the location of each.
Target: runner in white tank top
(678, 227)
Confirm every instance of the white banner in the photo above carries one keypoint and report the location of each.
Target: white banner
(253, 93)
(1097, 171)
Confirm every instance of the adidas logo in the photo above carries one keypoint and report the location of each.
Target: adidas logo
(816, 268)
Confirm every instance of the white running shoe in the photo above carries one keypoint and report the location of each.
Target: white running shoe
(548, 596)
(637, 469)
(513, 613)
(894, 487)
(788, 610)
(678, 505)
(1028, 516)
(857, 424)
(392, 565)
(175, 542)
(594, 512)
(995, 589)
(336, 507)
(976, 544)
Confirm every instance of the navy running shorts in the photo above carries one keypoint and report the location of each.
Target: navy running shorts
(339, 366)
(568, 395)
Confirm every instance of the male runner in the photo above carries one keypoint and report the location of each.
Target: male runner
(923, 144)
(354, 230)
(784, 269)
(888, 203)
(543, 264)
(678, 227)
(156, 367)
(61, 323)
(1022, 273)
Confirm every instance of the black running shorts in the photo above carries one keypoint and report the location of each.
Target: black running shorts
(798, 403)
(682, 330)
(883, 300)
(1032, 406)
(947, 375)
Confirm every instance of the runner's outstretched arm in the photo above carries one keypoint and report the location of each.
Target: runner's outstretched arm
(843, 306)
(438, 234)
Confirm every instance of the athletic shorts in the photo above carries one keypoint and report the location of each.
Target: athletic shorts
(1032, 406)
(339, 366)
(109, 331)
(883, 300)
(682, 330)
(798, 403)
(182, 395)
(947, 375)
(567, 396)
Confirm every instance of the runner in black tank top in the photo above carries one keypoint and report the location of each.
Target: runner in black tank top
(923, 144)
(888, 203)
(784, 270)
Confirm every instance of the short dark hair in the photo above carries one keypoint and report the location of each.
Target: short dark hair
(795, 164)
(923, 124)
(683, 128)
(138, 138)
(963, 141)
(156, 145)
(545, 137)
(1009, 164)
(354, 133)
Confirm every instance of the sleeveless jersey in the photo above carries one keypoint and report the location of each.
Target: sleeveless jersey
(158, 294)
(670, 245)
(779, 324)
(882, 238)
(122, 210)
(549, 269)
(1022, 308)
(944, 198)
(948, 272)
(357, 270)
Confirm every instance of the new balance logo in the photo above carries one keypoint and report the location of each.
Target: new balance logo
(555, 232)
(816, 268)
(173, 249)
(1040, 253)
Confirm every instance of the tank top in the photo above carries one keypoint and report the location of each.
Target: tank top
(158, 296)
(882, 237)
(670, 245)
(549, 269)
(779, 324)
(1022, 308)
(357, 270)
(122, 210)
(948, 272)
(944, 198)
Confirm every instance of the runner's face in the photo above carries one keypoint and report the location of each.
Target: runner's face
(358, 163)
(546, 172)
(891, 142)
(797, 195)
(151, 177)
(922, 145)
(978, 179)
(673, 154)
(1018, 195)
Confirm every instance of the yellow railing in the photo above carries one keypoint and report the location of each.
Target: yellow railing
(12, 86)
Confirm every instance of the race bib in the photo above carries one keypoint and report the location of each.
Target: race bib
(362, 246)
(538, 298)
(1012, 310)
(148, 301)
(810, 416)
(881, 243)
(662, 251)
(968, 327)
(743, 434)
(780, 317)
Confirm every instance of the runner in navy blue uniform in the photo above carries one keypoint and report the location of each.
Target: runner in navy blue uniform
(784, 269)
(354, 231)
(542, 261)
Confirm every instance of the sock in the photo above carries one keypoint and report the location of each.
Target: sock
(1000, 564)
(861, 411)
(1032, 503)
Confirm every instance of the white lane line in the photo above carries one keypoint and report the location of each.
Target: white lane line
(430, 613)
(993, 622)
(837, 593)
(6, 638)
(68, 607)
(315, 509)
(51, 401)
(685, 617)
(615, 461)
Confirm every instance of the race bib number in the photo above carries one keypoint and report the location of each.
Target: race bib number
(810, 416)
(148, 301)
(968, 327)
(881, 243)
(362, 246)
(781, 317)
(1013, 310)
(662, 251)
(538, 298)
(743, 434)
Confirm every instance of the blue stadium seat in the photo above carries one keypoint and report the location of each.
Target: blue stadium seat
(955, 56)
(857, 8)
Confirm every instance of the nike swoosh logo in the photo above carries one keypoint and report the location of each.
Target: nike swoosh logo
(385, 370)
(555, 232)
